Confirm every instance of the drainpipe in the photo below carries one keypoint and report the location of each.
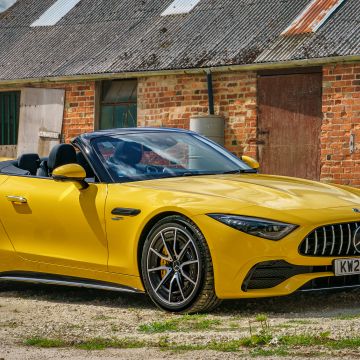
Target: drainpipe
(211, 125)
(210, 92)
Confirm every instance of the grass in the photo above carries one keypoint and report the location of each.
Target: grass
(261, 318)
(350, 343)
(348, 317)
(225, 346)
(257, 344)
(101, 344)
(300, 340)
(300, 322)
(234, 325)
(323, 339)
(281, 351)
(160, 327)
(260, 343)
(184, 323)
(45, 343)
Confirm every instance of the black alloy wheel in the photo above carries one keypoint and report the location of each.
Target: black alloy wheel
(176, 267)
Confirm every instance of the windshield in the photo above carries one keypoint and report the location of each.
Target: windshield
(151, 155)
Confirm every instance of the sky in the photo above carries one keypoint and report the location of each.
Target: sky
(5, 4)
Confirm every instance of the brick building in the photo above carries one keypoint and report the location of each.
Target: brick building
(285, 74)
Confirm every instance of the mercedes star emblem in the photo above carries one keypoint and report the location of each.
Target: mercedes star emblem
(356, 240)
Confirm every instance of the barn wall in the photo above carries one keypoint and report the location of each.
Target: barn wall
(171, 100)
(341, 118)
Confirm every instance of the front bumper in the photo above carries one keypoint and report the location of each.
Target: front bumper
(270, 274)
(235, 255)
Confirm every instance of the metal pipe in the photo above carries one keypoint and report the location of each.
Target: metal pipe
(210, 92)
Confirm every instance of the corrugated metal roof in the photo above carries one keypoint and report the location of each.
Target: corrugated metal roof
(115, 36)
(339, 36)
(180, 7)
(55, 13)
(312, 17)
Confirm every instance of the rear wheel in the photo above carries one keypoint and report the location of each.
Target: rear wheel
(176, 267)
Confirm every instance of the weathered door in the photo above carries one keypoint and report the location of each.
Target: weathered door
(9, 122)
(41, 118)
(289, 124)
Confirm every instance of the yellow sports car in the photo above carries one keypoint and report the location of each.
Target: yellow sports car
(170, 213)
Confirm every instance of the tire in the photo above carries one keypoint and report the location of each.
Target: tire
(176, 267)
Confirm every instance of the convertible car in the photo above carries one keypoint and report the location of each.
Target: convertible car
(172, 214)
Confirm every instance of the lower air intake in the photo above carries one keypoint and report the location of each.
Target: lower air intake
(269, 274)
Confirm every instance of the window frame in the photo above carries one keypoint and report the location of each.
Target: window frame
(115, 104)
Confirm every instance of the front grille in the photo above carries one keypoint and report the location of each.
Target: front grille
(331, 240)
(332, 283)
(268, 274)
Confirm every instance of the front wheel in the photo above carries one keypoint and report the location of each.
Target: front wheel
(176, 267)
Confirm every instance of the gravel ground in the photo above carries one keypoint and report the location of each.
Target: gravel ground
(78, 316)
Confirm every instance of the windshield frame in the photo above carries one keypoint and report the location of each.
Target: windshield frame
(242, 166)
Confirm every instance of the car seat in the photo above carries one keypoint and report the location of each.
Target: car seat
(61, 154)
(29, 162)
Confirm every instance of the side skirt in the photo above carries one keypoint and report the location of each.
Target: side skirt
(50, 279)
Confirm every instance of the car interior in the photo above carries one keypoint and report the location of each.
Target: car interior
(33, 165)
(128, 155)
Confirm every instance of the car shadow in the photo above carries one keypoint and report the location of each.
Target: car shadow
(74, 295)
(322, 304)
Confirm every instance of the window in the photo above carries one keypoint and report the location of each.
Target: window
(55, 13)
(118, 104)
(180, 7)
(5, 4)
(9, 117)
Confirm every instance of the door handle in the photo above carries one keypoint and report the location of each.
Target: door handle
(16, 199)
(125, 212)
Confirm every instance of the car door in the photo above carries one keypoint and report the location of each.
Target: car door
(55, 222)
(6, 249)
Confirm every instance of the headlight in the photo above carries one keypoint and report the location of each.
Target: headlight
(268, 229)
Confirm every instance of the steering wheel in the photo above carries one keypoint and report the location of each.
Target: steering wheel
(149, 169)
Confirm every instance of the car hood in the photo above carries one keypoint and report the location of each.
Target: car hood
(274, 192)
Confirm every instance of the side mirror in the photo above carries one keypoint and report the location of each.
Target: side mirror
(250, 161)
(71, 172)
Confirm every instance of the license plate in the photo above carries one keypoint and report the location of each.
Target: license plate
(346, 267)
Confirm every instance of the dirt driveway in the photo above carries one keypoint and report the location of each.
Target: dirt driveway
(39, 322)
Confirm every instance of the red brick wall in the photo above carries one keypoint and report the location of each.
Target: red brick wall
(79, 107)
(171, 100)
(341, 109)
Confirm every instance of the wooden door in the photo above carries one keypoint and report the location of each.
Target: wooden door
(289, 124)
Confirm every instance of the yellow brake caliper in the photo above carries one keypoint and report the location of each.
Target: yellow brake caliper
(164, 262)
